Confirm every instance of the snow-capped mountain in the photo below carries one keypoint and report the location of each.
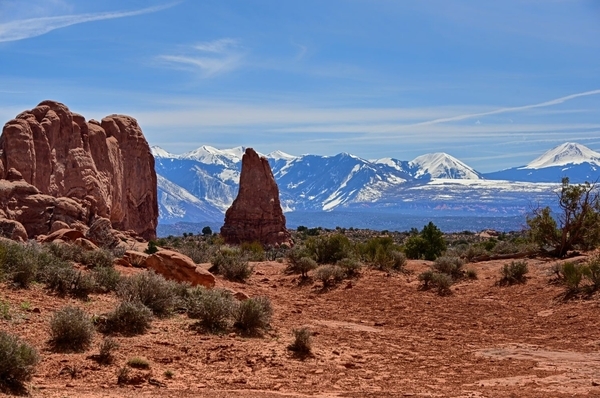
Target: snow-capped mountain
(442, 165)
(200, 185)
(572, 160)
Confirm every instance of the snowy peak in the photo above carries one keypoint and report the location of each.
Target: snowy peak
(158, 152)
(279, 155)
(442, 165)
(211, 155)
(567, 153)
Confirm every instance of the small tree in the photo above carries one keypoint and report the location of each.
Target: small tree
(206, 231)
(577, 223)
(429, 244)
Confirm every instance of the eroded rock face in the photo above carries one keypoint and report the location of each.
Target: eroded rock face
(256, 214)
(55, 166)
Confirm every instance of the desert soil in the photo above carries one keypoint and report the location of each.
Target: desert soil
(377, 336)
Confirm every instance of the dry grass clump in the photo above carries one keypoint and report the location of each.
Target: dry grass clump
(71, 330)
(130, 318)
(253, 315)
(150, 289)
(17, 362)
(512, 273)
(302, 344)
(232, 263)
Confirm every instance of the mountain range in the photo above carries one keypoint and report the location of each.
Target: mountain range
(198, 186)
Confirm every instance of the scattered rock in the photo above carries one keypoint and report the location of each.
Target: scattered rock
(256, 215)
(12, 229)
(176, 266)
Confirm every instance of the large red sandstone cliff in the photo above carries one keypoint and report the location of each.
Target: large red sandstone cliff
(55, 166)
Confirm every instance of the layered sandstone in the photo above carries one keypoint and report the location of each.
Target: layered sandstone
(57, 167)
(256, 213)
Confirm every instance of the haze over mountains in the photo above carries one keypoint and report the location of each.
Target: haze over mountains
(198, 186)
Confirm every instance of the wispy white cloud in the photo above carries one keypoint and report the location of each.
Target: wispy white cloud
(32, 27)
(210, 58)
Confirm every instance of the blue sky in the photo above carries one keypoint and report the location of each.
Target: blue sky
(494, 83)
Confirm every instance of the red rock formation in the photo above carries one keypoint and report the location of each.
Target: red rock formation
(179, 267)
(256, 214)
(55, 166)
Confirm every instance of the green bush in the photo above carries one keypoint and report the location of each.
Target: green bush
(130, 318)
(302, 343)
(592, 272)
(329, 275)
(515, 272)
(253, 314)
(96, 258)
(152, 247)
(232, 264)
(214, 308)
(69, 281)
(17, 361)
(71, 330)
(572, 275)
(150, 289)
(429, 244)
(329, 249)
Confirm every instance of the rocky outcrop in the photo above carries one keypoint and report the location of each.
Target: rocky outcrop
(55, 166)
(178, 267)
(256, 213)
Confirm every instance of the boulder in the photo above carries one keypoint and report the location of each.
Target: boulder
(55, 166)
(135, 258)
(178, 267)
(86, 244)
(256, 214)
(12, 230)
(100, 233)
(66, 235)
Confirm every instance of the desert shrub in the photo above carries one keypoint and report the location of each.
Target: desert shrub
(123, 375)
(253, 250)
(302, 343)
(106, 356)
(107, 279)
(151, 289)
(82, 285)
(199, 252)
(232, 264)
(138, 363)
(350, 266)
(471, 273)
(329, 275)
(71, 330)
(474, 251)
(572, 275)
(368, 250)
(329, 249)
(169, 374)
(429, 244)
(506, 247)
(152, 247)
(214, 308)
(577, 222)
(253, 314)
(514, 273)
(294, 255)
(128, 318)
(4, 310)
(302, 266)
(19, 263)
(441, 281)
(389, 259)
(592, 272)
(69, 281)
(451, 266)
(96, 258)
(17, 361)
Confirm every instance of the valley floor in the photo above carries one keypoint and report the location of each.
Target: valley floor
(378, 336)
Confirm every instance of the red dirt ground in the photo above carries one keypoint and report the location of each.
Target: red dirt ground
(379, 336)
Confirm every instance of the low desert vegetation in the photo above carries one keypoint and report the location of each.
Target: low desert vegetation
(579, 279)
(329, 275)
(253, 315)
(129, 318)
(150, 289)
(232, 263)
(302, 344)
(71, 329)
(138, 363)
(18, 360)
(213, 308)
(514, 272)
(428, 244)
(106, 351)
